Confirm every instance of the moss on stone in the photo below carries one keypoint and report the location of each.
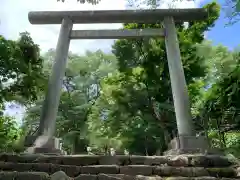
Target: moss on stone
(222, 172)
(24, 176)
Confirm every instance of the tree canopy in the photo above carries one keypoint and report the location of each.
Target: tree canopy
(21, 68)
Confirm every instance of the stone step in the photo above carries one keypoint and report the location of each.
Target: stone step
(145, 170)
(62, 176)
(84, 160)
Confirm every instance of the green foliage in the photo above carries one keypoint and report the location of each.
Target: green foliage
(124, 100)
(233, 143)
(21, 80)
(9, 133)
(140, 97)
(221, 101)
(21, 69)
(231, 140)
(219, 106)
(81, 88)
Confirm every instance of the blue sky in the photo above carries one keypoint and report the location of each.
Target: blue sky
(46, 35)
(225, 35)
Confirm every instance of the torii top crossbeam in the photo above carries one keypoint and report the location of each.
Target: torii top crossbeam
(116, 16)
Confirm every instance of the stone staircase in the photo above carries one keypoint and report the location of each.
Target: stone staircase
(120, 167)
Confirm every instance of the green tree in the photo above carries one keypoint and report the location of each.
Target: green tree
(81, 88)
(21, 80)
(221, 105)
(138, 100)
(218, 106)
(9, 133)
(21, 69)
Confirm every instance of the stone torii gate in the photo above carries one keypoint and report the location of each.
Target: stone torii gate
(187, 139)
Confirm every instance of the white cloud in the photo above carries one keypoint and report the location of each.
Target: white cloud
(14, 19)
(180, 4)
(15, 111)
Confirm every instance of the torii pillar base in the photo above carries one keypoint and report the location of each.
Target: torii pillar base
(43, 145)
(191, 145)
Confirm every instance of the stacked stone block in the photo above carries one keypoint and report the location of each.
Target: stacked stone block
(121, 167)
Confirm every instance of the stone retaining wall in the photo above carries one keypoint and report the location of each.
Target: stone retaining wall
(60, 175)
(145, 170)
(84, 160)
(120, 167)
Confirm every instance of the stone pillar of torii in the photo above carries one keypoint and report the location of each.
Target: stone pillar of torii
(186, 142)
